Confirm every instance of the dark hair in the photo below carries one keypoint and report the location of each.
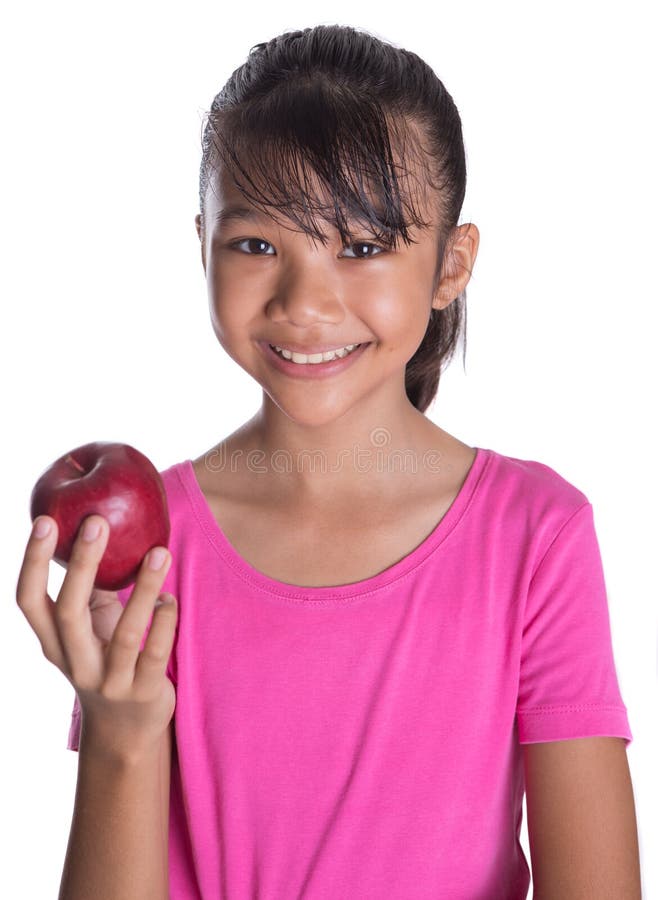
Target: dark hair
(338, 99)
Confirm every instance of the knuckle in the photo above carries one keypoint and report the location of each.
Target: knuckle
(77, 675)
(46, 652)
(109, 692)
(143, 696)
(127, 638)
(36, 559)
(84, 557)
(65, 616)
(80, 570)
(155, 651)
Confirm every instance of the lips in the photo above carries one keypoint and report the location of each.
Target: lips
(311, 370)
(313, 348)
(285, 353)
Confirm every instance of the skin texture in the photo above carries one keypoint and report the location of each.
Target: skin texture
(581, 820)
(295, 290)
(121, 806)
(581, 816)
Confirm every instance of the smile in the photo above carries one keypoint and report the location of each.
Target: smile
(315, 358)
(315, 365)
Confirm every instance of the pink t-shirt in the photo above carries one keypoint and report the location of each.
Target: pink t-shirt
(364, 741)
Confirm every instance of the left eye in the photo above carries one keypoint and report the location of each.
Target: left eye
(366, 244)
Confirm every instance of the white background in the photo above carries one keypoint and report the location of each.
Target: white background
(106, 331)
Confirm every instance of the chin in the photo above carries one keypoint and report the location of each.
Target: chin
(313, 415)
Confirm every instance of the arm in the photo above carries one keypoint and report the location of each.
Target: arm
(581, 820)
(118, 846)
(118, 841)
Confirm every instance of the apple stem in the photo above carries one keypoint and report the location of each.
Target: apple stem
(75, 463)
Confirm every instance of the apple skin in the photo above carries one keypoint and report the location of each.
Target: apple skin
(117, 482)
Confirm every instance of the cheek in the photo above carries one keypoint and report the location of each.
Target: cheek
(228, 300)
(398, 316)
(225, 319)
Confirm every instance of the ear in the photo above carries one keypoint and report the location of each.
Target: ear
(199, 230)
(460, 256)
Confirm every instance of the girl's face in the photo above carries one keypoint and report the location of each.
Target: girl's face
(268, 284)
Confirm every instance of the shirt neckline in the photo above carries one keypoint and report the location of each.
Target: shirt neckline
(402, 567)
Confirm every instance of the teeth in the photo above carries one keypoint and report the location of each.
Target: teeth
(315, 358)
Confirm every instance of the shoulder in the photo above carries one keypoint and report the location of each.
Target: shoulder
(178, 483)
(526, 504)
(531, 494)
(173, 475)
(536, 480)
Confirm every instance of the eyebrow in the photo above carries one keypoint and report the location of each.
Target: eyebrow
(233, 212)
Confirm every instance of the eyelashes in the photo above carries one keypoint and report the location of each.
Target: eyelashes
(235, 245)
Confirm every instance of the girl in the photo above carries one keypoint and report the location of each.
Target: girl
(378, 637)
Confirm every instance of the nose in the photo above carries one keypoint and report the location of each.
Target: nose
(307, 292)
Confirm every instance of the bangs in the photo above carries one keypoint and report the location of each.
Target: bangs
(315, 153)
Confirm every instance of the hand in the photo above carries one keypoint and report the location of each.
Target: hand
(127, 701)
(105, 609)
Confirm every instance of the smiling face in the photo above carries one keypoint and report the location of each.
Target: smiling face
(270, 283)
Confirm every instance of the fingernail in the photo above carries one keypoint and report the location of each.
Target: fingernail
(41, 528)
(91, 531)
(157, 558)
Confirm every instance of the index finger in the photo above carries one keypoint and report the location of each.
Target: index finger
(32, 588)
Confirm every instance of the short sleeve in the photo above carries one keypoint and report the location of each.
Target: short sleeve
(568, 685)
(74, 728)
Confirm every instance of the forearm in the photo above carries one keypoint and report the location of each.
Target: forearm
(118, 842)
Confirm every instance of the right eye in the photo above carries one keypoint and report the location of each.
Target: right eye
(254, 241)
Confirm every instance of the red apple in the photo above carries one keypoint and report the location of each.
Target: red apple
(114, 481)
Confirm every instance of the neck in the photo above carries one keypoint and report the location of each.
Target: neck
(373, 454)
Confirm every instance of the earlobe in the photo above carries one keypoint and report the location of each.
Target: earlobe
(442, 300)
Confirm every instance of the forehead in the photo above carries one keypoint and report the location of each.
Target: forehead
(226, 203)
(224, 193)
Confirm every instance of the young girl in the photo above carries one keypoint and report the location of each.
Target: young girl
(378, 636)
